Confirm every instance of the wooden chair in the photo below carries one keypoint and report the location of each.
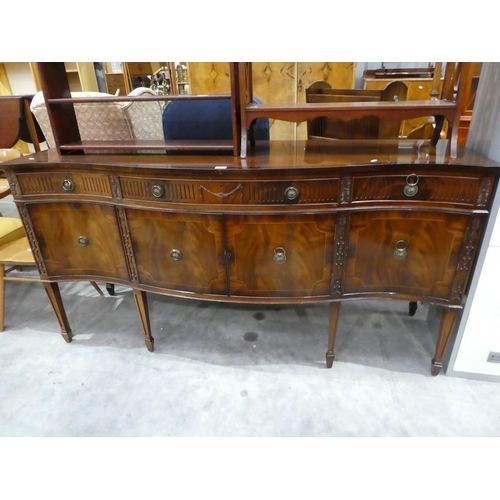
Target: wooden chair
(15, 255)
(17, 122)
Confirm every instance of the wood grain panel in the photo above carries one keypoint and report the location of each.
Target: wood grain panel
(209, 77)
(58, 227)
(306, 241)
(198, 238)
(433, 242)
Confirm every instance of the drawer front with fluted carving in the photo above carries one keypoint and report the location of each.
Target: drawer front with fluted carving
(280, 256)
(416, 253)
(231, 192)
(72, 183)
(79, 239)
(178, 251)
(455, 190)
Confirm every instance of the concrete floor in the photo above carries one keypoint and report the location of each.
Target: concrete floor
(227, 370)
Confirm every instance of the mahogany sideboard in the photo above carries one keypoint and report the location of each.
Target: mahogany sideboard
(295, 222)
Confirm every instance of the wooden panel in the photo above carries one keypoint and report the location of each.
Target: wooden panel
(432, 242)
(275, 83)
(257, 244)
(209, 77)
(198, 238)
(58, 227)
(115, 81)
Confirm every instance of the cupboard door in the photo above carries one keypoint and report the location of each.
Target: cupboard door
(79, 239)
(178, 251)
(280, 256)
(415, 253)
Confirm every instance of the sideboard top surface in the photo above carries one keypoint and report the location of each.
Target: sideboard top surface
(276, 155)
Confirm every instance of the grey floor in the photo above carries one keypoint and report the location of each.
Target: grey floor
(227, 370)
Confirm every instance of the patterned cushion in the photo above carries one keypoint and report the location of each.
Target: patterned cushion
(110, 121)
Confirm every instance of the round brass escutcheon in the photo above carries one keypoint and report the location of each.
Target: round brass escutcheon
(83, 240)
(158, 191)
(411, 188)
(400, 250)
(176, 254)
(292, 193)
(68, 185)
(279, 255)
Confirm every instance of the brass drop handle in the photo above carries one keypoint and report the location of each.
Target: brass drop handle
(400, 250)
(83, 241)
(157, 191)
(292, 193)
(176, 254)
(68, 185)
(279, 255)
(411, 188)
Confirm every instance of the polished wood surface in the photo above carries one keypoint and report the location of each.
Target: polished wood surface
(288, 223)
(295, 222)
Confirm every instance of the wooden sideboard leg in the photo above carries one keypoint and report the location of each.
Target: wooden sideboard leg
(141, 300)
(412, 308)
(447, 323)
(332, 331)
(52, 290)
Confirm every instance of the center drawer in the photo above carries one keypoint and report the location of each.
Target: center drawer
(265, 192)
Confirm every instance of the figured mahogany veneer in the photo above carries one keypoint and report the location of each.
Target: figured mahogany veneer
(295, 223)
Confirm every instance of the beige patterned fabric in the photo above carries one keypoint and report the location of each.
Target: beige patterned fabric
(108, 121)
(145, 117)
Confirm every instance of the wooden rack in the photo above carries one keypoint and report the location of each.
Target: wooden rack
(456, 88)
(449, 107)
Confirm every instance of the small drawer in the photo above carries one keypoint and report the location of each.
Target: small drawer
(469, 191)
(231, 192)
(60, 183)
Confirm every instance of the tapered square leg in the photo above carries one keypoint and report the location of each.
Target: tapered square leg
(52, 290)
(141, 301)
(332, 332)
(448, 320)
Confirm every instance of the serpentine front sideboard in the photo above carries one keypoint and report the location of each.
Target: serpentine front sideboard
(297, 222)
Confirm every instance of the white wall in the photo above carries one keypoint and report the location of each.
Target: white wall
(479, 330)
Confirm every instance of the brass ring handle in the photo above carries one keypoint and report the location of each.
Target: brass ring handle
(279, 255)
(157, 191)
(68, 185)
(83, 241)
(292, 193)
(400, 250)
(411, 188)
(176, 254)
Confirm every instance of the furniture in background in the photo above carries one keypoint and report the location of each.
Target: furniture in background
(368, 127)
(118, 121)
(208, 119)
(17, 122)
(448, 108)
(274, 83)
